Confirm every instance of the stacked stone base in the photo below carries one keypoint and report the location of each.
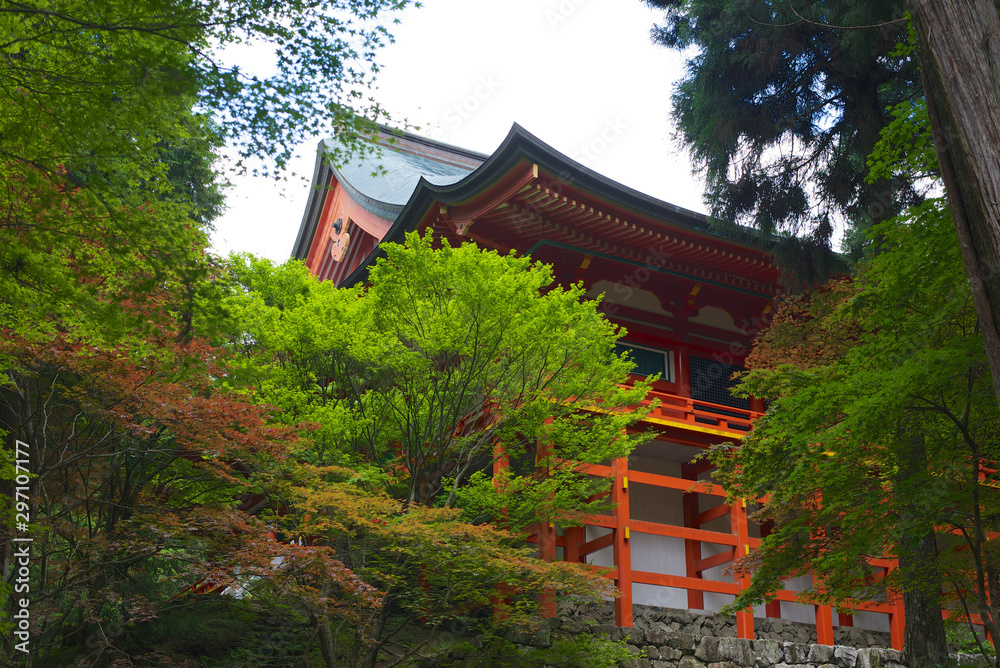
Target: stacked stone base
(680, 650)
(666, 638)
(578, 617)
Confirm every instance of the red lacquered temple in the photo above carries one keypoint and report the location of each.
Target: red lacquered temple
(692, 301)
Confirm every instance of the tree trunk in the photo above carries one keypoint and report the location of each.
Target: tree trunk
(959, 56)
(377, 629)
(924, 641)
(327, 643)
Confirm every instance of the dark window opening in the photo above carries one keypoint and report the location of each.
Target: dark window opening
(710, 381)
(648, 362)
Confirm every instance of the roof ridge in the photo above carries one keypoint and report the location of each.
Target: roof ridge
(404, 141)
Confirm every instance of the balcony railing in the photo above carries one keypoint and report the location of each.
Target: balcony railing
(696, 581)
(676, 408)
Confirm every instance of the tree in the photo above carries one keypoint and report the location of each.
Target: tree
(956, 49)
(68, 64)
(417, 387)
(448, 354)
(780, 107)
(958, 46)
(430, 569)
(132, 457)
(881, 420)
(109, 192)
(96, 118)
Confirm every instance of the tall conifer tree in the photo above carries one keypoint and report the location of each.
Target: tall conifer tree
(780, 107)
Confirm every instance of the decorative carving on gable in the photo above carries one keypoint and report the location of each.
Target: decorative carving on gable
(713, 316)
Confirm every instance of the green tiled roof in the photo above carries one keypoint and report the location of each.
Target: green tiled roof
(390, 176)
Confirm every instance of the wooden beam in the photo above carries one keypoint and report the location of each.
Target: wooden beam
(669, 482)
(598, 543)
(589, 469)
(711, 514)
(503, 191)
(657, 529)
(606, 521)
(681, 582)
(715, 560)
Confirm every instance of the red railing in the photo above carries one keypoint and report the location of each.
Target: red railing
(623, 527)
(687, 412)
(677, 408)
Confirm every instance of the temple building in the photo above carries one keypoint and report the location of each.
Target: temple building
(691, 299)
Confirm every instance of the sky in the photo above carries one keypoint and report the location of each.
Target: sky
(581, 75)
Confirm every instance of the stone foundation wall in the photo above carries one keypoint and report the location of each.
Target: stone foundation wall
(680, 650)
(666, 638)
(577, 617)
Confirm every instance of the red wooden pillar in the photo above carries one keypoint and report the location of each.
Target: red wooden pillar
(501, 461)
(692, 548)
(622, 548)
(824, 625)
(683, 372)
(824, 621)
(896, 619)
(896, 624)
(575, 537)
(545, 531)
(772, 608)
(684, 381)
(845, 619)
(547, 552)
(740, 528)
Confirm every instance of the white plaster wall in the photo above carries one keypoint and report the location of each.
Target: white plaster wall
(872, 621)
(605, 557)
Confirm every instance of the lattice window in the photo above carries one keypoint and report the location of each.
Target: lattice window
(710, 381)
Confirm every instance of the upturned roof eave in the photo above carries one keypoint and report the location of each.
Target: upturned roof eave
(314, 205)
(521, 146)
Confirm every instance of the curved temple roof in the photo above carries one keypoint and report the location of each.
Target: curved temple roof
(416, 178)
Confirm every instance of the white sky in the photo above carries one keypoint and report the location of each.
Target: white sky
(581, 75)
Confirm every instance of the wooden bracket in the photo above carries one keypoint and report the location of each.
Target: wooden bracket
(691, 296)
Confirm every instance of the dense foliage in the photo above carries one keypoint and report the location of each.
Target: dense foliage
(410, 391)
(161, 463)
(881, 424)
(327, 461)
(880, 433)
(105, 82)
(780, 107)
(107, 171)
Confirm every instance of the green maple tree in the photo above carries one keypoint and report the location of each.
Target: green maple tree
(880, 423)
(408, 391)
